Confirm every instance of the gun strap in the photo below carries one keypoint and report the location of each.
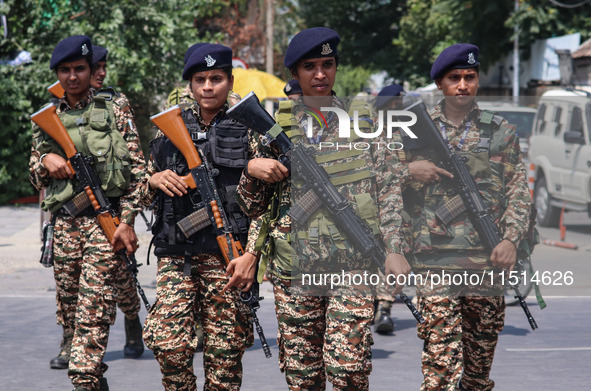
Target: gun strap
(451, 209)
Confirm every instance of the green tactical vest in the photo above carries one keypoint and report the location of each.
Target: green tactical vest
(344, 167)
(94, 132)
(430, 235)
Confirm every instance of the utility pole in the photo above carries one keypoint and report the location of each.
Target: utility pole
(516, 58)
(269, 51)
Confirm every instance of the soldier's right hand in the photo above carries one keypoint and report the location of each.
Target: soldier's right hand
(268, 170)
(57, 166)
(169, 182)
(396, 264)
(426, 171)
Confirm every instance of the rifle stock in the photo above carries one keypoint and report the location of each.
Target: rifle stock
(171, 124)
(56, 90)
(48, 120)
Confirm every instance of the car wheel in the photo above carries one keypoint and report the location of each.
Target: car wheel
(548, 215)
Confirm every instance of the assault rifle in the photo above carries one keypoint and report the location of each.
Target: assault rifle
(56, 90)
(201, 178)
(319, 191)
(465, 185)
(81, 165)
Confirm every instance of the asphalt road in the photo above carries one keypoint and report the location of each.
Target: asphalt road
(554, 357)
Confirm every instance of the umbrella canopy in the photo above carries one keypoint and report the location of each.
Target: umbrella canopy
(264, 85)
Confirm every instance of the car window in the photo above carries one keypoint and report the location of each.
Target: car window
(557, 115)
(576, 120)
(541, 120)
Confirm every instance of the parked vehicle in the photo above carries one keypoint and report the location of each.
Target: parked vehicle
(560, 148)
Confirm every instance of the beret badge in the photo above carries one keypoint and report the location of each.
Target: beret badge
(326, 49)
(210, 61)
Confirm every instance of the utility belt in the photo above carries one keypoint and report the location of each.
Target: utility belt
(80, 206)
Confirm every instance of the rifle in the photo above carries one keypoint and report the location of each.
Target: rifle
(464, 183)
(201, 177)
(56, 90)
(319, 190)
(81, 165)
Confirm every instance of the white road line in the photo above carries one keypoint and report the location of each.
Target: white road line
(548, 349)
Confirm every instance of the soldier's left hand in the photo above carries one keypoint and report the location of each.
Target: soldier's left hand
(125, 237)
(397, 264)
(242, 271)
(504, 255)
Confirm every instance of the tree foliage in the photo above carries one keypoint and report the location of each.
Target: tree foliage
(146, 42)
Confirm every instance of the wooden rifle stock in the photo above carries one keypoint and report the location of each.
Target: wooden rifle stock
(48, 120)
(172, 125)
(56, 90)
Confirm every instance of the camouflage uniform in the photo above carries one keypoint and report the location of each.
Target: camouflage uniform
(84, 263)
(463, 322)
(321, 337)
(182, 301)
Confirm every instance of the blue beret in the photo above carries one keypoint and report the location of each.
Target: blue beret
(315, 42)
(99, 54)
(458, 56)
(387, 93)
(71, 49)
(191, 50)
(206, 57)
(292, 87)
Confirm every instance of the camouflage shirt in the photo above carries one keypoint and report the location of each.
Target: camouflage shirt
(129, 205)
(370, 177)
(500, 174)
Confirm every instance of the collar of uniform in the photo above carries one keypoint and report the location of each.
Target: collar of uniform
(438, 115)
(63, 104)
(197, 111)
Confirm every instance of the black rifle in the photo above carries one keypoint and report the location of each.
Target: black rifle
(81, 165)
(464, 184)
(320, 191)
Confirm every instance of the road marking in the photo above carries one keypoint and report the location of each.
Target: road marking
(548, 349)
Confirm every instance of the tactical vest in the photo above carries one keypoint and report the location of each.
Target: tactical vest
(346, 167)
(94, 132)
(225, 147)
(425, 205)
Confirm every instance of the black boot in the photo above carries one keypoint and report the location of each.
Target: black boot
(103, 385)
(383, 320)
(134, 345)
(63, 358)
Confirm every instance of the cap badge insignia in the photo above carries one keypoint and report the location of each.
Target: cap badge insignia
(326, 49)
(471, 59)
(288, 88)
(84, 50)
(210, 61)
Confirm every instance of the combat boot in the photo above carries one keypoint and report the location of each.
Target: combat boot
(103, 385)
(383, 320)
(63, 358)
(199, 335)
(134, 345)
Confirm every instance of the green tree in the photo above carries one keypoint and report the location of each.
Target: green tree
(146, 45)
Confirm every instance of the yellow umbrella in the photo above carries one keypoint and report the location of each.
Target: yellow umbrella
(264, 85)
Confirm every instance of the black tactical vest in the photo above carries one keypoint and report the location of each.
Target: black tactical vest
(225, 147)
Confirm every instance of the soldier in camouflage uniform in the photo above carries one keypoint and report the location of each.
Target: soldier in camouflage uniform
(84, 262)
(320, 337)
(463, 320)
(127, 297)
(192, 280)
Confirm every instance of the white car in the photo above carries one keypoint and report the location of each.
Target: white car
(560, 148)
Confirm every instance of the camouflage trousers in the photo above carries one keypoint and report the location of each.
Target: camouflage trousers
(84, 267)
(323, 338)
(385, 294)
(169, 330)
(460, 335)
(126, 294)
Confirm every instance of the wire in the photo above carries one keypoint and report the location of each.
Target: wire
(555, 2)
